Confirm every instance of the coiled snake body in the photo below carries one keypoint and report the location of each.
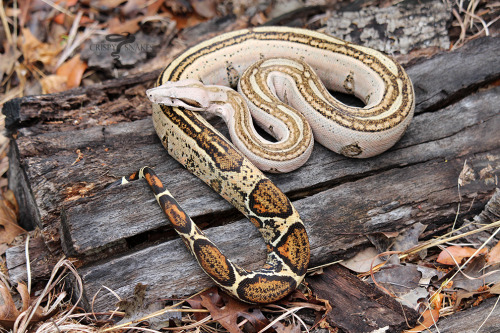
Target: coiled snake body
(284, 78)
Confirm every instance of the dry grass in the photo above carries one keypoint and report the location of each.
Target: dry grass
(67, 320)
(469, 17)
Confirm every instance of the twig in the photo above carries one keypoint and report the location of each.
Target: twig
(298, 318)
(59, 8)
(460, 268)
(5, 24)
(292, 310)
(371, 270)
(71, 37)
(312, 269)
(171, 308)
(28, 263)
(23, 321)
(89, 31)
(15, 23)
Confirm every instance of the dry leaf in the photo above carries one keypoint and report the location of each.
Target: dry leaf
(107, 3)
(53, 83)
(430, 317)
(467, 175)
(476, 275)
(10, 201)
(136, 310)
(9, 311)
(494, 256)
(461, 294)
(363, 260)
(133, 8)
(75, 77)
(3, 248)
(457, 252)
(436, 301)
(8, 221)
(34, 50)
(495, 289)
(228, 314)
(290, 328)
(195, 302)
(115, 26)
(187, 21)
(413, 297)
(154, 7)
(73, 70)
(59, 18)
(8, 61)
(205, 8)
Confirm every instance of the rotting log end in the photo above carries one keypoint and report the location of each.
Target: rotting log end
(12, 113)
(29, 216)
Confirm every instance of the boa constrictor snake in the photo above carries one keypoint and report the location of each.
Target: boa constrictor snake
(276, 70)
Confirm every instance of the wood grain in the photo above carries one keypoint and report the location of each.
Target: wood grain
(470, 320)
(109, 217)
(337, 221)
(121, 237)
(369, 309)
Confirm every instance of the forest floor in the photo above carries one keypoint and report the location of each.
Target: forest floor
(52, 47)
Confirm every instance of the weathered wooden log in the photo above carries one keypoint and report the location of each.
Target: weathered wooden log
(394, 29)
(110, 217)
(358, 306)
(337, 221)
(81, 107)
(41, 261)
(482, 318)
(436, 82)
(65, 175)
(102, 104)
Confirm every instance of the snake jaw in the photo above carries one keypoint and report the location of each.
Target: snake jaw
(189, 94)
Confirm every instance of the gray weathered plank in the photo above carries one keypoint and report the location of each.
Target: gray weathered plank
(337, 221)
(397, 29)
(485, 316)
(41, 261)
(109, 220)
(449, 76)
(370, 309)
(53, 178)
(338, 218)
(79, 107)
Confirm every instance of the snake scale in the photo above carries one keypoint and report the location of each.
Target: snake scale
(276, 70)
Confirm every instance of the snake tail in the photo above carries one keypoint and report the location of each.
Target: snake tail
(279, 276)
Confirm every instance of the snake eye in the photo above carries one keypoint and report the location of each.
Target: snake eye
(190, 102)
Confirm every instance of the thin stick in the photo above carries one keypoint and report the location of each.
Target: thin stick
(71, 37)
(281, 317)
(28, 264)
(89, 31)
(59, 8)
(5, 24)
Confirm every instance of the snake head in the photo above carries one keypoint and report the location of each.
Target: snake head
(189, 94)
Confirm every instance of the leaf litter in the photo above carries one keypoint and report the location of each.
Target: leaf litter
(439, 282)
(47, 60)
(455, 278)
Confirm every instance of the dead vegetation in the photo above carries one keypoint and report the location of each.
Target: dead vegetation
(40, 53)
